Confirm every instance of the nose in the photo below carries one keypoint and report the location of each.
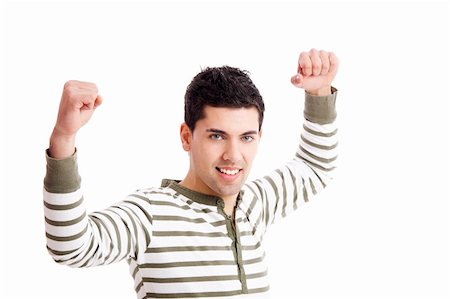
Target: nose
(232, 152)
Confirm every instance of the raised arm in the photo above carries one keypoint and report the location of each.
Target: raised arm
(310, 171)
(73, 237)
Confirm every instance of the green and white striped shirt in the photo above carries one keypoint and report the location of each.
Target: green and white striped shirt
(180, 243)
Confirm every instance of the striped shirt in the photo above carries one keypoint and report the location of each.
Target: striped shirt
(180, 243)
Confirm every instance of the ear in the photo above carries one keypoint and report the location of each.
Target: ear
(186, 137)
(260, 133)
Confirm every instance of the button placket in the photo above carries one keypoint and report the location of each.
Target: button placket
(233, 233)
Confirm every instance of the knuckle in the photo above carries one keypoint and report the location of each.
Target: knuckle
(70, 93)
(303, 57)
(306, 63)
(303, 54)
(68, 84)
(334, 58)
(316, 60)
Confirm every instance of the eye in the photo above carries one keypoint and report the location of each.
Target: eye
(247, 138)
(216, 137)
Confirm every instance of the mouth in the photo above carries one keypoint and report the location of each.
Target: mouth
(229, 171)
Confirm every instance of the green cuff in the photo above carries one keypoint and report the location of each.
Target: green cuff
(62, 174)
(321, 109)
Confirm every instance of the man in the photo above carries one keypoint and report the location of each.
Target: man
(199, 237)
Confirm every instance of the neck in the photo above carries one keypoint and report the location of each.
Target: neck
(195, 185)
(230, 203)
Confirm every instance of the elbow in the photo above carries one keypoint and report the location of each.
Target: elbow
(72, 258)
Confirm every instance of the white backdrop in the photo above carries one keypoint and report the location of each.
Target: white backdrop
(381, 230)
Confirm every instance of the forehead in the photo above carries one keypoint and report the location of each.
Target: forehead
(230, 120)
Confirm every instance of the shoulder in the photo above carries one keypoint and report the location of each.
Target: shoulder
(155, 193)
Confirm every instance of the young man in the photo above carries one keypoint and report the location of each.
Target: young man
(199, 237)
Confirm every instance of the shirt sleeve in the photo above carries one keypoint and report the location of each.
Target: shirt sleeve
(77, 239)
(310, 171)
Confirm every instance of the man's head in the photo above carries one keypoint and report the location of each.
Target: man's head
(223, 117)
(220, 87)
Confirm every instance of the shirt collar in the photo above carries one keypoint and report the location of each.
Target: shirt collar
(199, 197)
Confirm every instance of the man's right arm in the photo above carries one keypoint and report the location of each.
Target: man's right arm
(73, 237)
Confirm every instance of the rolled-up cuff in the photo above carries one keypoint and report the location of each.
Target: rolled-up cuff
(321, 109)
(62, 174)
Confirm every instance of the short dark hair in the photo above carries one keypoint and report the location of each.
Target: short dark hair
(220, 87)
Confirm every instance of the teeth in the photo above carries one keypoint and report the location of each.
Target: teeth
(229, 172)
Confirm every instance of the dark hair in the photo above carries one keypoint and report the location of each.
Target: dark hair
(220, 87)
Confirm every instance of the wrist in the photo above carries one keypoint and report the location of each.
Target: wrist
(61, 145)
(323, 91)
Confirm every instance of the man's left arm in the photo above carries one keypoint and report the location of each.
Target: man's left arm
(311, 169)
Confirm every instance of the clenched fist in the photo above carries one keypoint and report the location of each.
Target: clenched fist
(315, 72)
(78, 102)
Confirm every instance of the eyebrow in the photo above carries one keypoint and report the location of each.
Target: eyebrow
(212, 130)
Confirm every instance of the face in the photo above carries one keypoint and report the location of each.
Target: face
(221, 149)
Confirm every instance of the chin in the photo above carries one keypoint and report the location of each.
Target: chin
(224, 191)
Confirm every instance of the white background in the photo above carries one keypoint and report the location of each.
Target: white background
(381, 230)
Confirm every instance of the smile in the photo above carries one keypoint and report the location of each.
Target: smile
(228, 171)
